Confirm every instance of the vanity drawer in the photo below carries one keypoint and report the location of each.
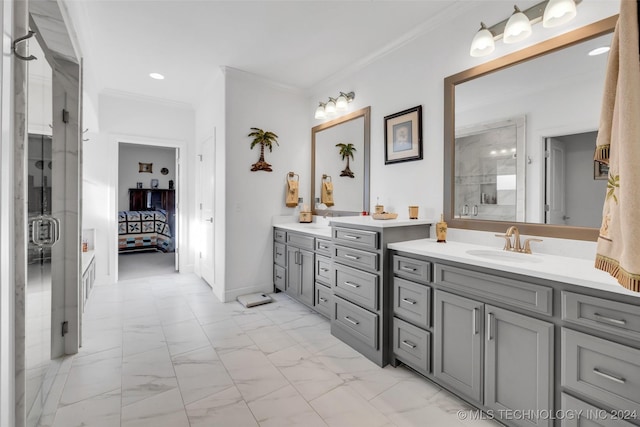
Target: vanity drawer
(412, 345)
(581, 414)
(324, 296)
(356, 238)
(279, 235)
(356, 258)
(356, 286)
(324, 270)
(279, 277)
(412, 302)
(301, 241)
(279, 254)
(604, 315)
(357, 321)
(412, 269)
(602, 370)
(323, 247)
(518, 293)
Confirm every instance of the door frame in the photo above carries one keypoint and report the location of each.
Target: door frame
(180, 225)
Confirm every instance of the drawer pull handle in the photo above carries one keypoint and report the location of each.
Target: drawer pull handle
(610, 319)
(351, 256)
(278, 277)
(323, 247)
(278, 254)
(409, 344)
(350, 320)
(405, 268)
(611, 377)
(324, 269)
(322, 299)
(349, 236)
(490, 323)
(474, 321)
(409, 301)
(353, 285)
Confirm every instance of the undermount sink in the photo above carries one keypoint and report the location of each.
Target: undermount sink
(498, 255)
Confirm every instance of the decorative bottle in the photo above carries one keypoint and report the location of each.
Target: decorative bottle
(441, 230)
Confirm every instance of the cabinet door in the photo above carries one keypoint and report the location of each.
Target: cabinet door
(518, 364)
(307, 278)
(457, 346)
(293, 271)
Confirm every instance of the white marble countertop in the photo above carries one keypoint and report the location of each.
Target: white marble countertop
(381, 223)
(314, 228)
(575, 271)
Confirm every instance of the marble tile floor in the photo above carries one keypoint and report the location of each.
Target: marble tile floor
(163, 351)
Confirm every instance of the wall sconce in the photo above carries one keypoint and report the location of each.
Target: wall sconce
(518, 26)
(334, 105)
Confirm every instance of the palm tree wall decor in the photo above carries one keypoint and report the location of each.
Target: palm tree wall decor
(265, 139)
(346, 151)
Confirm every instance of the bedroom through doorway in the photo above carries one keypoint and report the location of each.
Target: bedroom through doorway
(147, 210)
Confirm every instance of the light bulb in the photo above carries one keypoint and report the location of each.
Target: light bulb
(342, 102)
(518, 27)
(320, 113)
(483, 43)
(330, 107)
(558, 12)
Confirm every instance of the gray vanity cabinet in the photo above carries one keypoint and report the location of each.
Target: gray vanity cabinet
(457, 346)
(300, 274)
(518, 365)
(505, 362)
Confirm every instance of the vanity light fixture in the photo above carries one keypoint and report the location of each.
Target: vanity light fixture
(518, 26)
(334, 105)
(156, 76)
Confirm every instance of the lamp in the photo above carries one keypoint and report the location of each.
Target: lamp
(558, 12)
(518, 27)
(330, 106)
(320, 114)
(483, 43)
(333, 105)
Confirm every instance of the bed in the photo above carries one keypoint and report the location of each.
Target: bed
(144, 230)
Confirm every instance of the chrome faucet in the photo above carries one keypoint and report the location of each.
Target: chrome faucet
(517, 245)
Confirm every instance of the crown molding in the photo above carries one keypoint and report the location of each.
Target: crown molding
(432, 24)
(226, 70)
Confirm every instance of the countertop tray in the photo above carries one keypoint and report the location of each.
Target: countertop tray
(387, 215)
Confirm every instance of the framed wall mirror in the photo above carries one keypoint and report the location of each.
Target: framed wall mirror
(349, 191)
(519, 137)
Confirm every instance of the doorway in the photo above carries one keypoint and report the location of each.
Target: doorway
(147, 210)
(574, 187)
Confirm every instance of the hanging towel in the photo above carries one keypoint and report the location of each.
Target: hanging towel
(292, 193)
(327, 193)
(618, 145)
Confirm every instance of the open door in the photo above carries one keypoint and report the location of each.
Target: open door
(555, 206)
(206, 175)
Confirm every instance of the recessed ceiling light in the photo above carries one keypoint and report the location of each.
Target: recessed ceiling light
(156, 76)
(599, 51)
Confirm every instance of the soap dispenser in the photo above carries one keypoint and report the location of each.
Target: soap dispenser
(441, 230)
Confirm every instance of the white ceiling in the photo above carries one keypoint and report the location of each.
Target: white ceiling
(298, 43)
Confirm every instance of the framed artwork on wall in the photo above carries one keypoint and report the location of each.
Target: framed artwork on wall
(145, 167)
(403, 136)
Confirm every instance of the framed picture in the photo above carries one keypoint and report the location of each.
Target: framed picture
(154, 183)
(403, 136)
(145, 167)
(600, 170)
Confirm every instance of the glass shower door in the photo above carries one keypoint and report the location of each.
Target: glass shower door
(43, 234)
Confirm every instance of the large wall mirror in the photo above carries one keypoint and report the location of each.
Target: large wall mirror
(520, 135)
(348, 191)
